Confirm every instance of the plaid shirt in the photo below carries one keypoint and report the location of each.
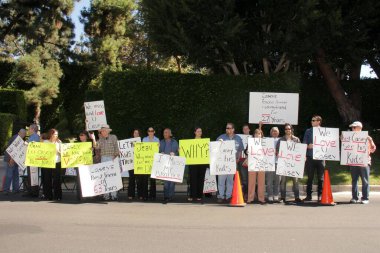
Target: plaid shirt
(108, 146)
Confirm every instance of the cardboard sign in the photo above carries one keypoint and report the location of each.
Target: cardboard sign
(17, 150)
(196, 151)
(126, 148)
(273, 108)
(41, 154)
(144, 156)
(76, 154)
(291, 159)
(222, 157)
(326, 143)
(168, 168)
(95, 115)
(354, 148)
(210, 184)
(261, 154)
(100, 178)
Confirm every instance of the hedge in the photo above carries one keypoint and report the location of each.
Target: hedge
(6, 128)
(13, 101)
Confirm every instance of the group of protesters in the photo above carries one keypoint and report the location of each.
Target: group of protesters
(257, 186)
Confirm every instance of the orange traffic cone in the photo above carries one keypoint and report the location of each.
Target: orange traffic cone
(327, 198)
(237, 194)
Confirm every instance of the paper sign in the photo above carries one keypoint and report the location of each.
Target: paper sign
(354, 148)
(222, 157)
(326, 143)
(273, 108)
(95, 115)
(126, 148)
(100, 178)
(76, 154)
(143, 157)
(210, 184)
(261, 154)
(17, 150)
(34, 176)
(41, 154)
(196, 151)
(168, 168)
(291, 159)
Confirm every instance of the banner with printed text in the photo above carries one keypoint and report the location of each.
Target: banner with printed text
(222, 157)
(326, 144)
(291, 159)
(76, 154)
(261, 154)
(144, 156)
(196, 151)
(168, 168)
(126, 148)
(354, 148)
(95, 115)
(41, 154)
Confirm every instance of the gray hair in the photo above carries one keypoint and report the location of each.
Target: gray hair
(274, 129)
(34, 127)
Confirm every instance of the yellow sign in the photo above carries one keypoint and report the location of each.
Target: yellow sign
(144, 155)
(76, 154)
(41, 154)
(196, 151)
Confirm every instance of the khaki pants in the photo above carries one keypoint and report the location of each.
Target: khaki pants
(252, 175)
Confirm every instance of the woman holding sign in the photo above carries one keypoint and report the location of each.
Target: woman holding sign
(132, 179)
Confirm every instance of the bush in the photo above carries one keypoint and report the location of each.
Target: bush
(6, 128)
(13, 101)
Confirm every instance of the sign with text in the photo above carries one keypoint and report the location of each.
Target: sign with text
(168, 168)
(210, 184)
(126, 148)
(326, 143)
(100, 178)
(273, 108)
(17, 150)
(144, 156)
(76, 154)
(261, 154)
(41, 154)
(95, 115)
(34, 176)
(354, 148)
(291, 159)
(196, 151)
(222, 157)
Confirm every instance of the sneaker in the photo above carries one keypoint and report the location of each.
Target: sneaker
(365, 201)
(219, 201)
(353, 201)
(275, 199)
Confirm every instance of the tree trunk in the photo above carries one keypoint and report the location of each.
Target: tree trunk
(281, 63)
(355, 71)
(234, 68)
(347, 111)
(375, 65)
(178, 60)
(227, 70)
(266, 66)
(37, 114)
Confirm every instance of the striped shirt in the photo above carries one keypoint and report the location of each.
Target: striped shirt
(108, 146)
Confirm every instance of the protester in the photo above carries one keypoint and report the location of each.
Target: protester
(243, 171)
(271, 178)
(136, 133)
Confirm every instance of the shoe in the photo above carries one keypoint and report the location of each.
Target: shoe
(308, 198)
(228, 200)
(298, 200)
(353, 201)
(130, 198)
(275, 199)
(190, 199)
(319, 198)
(220, 201)
(262, 202)
(365, 201)
(282, 200)
(166, 200)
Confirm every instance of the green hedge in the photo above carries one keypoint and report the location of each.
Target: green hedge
(6, 128)
(13, 101)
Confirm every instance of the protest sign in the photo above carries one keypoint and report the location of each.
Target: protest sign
(210, 184)
(354, 148)
(244, 139)
(143, 157)
(261, 154)
(273, 108)
(126, 148)
(196, 151)
(326, 143)
(34, 176)
(291, 159)
(76, 154)
(17, 150)
(41, 154)
(168, 168)
(100, 178)
(222, 157)
(95, 115)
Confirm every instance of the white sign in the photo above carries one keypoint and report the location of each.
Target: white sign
(222, 157)
(95, 115)
(244, 139)
(326, 144)
(261, 154)
(100, 178)
(71, 172)
(126, 148)
(291, 159)
(210, 184)
(34, 176)
(168, 168)
(273, 108)
(17, 150)
(354, 148)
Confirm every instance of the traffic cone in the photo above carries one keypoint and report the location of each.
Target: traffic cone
(237, 194)
(327, 198)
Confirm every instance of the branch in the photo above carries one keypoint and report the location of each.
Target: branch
(280, 65)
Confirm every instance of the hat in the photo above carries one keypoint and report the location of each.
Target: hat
(105, 127)
(356, 124)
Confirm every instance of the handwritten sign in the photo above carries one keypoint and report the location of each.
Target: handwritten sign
(273, 108)
(196, 151)
(261, 154)
(34, 176)
(126, 148)
(95, 115)
(168, 168)
(210, 184)
(291, 159)
(354, 148)
(41, 154)
(76, 154)
(326, 143)
(17, 150)
(100, 178)
(144, 156)
(222, 157)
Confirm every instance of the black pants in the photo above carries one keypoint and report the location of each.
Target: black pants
(197, 178)
(32, 190)
(313, 166)
(78, 186)
(52, 181)
(131, 184)
(142, 186)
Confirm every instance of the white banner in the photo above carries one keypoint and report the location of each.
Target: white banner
(17, 150)
(261, 154)
(291, 159)
(100, 178)
(222, 158)
(326, 144)
(168, 168)
(126, 148)
(34, 176)
(354, 148)
(95, 115)
(273, 108)
(210, 184)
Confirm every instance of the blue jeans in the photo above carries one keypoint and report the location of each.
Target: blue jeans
(363, 173)
(273, 184)
(225, 185)
(11, 177)
(296, 188)
(169, 188)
